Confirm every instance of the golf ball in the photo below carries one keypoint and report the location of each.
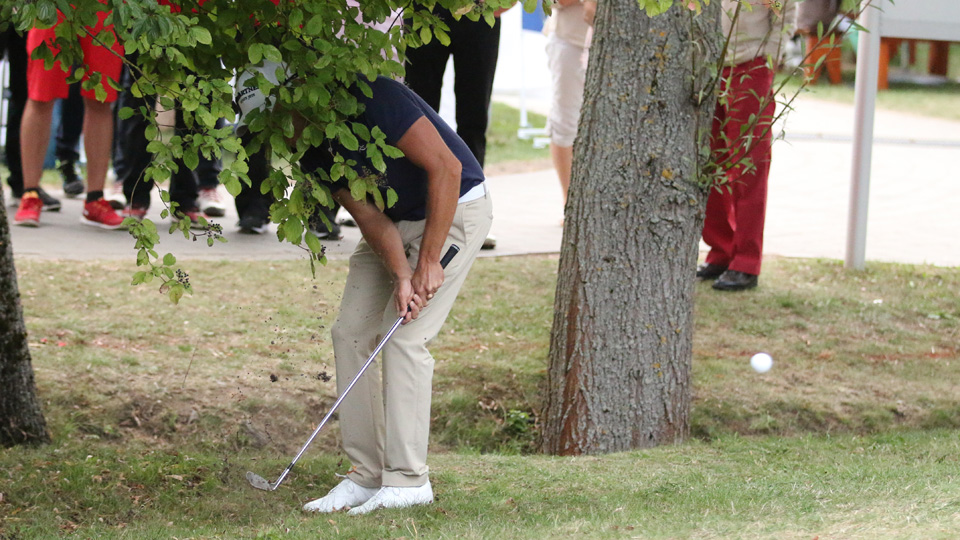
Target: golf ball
(761, 362)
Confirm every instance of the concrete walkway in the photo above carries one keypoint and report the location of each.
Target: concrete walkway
(913, 215)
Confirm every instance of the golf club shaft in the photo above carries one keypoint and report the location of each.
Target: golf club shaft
(451, 252)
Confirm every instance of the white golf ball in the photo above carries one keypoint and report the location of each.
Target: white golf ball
(761, 362)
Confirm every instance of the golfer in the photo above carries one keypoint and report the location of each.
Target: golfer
(441, 200)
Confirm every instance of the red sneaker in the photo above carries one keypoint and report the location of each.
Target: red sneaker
(99, 213)
(28, 215)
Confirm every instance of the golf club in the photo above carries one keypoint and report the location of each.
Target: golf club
(260, 482)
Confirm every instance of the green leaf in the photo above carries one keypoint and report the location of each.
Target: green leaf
(272, 53)
(240, 166)
(189, 104)
(358, 190)
(191, 160)
(657, 7)
(255, 53)
(315, 25)
(293, 231)
(296, 18)
(392, 151)
(231, 144)
(233, 186)
(377, 198)
(361, 130)
(176, 293)
(169, 259)
(443, 38)
(376, 158)
(138, 278)
(201, 34)
(313, 243)
(348, 139)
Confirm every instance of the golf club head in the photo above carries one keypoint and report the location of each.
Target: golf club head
(259, 482)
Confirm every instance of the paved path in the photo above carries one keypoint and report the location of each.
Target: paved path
(913, 213)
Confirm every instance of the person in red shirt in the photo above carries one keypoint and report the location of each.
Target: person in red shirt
(43, 88)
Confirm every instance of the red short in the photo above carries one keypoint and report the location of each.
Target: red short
(47, 85)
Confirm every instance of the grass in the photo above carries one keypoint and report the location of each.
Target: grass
(898, 486)
(158, 410)
(502, 143)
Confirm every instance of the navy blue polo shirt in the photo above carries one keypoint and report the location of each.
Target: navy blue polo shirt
(394, 108)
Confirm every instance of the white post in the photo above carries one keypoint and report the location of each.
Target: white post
(524, 123)
(865, 96)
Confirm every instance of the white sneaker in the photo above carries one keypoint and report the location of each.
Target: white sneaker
(211, 203)
(396, 497)
(114, 193)
(346, 494)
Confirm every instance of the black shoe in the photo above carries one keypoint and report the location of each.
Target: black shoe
(710, 271)
(253, 224)
(72, 183)
(348, 222)
(50, 203)
(732, 280)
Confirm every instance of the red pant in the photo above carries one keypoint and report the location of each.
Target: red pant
(736, 208)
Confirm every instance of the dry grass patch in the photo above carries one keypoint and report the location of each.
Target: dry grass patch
(250, 352)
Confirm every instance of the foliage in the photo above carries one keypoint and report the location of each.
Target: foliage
(188, 58)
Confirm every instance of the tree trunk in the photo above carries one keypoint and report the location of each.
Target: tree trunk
(622, 338)
(21, 420)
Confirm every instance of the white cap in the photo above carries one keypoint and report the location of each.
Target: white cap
(250, 98)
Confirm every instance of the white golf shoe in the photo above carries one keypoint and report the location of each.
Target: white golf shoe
(346, 494)
(396, 497)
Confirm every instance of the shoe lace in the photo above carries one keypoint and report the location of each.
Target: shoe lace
(31, 201)
(101, 208)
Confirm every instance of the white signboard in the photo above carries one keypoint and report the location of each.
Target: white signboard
(920, 19)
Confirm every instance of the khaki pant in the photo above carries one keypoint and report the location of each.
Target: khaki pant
(385, 420)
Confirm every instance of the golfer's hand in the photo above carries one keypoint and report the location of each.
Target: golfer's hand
(427, 280)
(407, 301)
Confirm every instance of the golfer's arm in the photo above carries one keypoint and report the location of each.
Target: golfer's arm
(424, 147)
(379, 232)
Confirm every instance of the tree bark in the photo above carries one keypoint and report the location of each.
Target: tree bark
(622, 338)
(21, 419)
